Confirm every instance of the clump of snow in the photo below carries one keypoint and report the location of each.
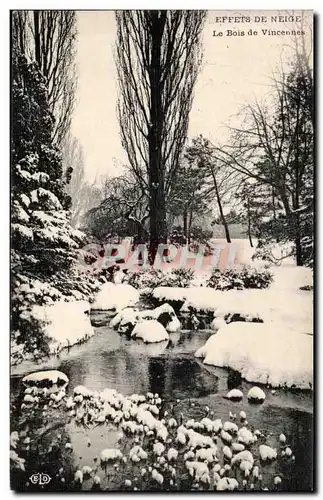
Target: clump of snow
(230, 427)
(234, 395)
(227, 484)
(110, 455)
(245, 461)
(172, 454)
(116, 297)
(256, 395)
(267, 453)
(46, 377)
(264, 353)
(246, 437)
(150, 331)
(65, 323)
(199, 471)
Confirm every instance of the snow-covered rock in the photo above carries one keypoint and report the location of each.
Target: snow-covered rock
(264, 353)
(114, 296)
(46, 378)
(256, 395)
(127, 318)
(150, 331)
(234, 395)
(65, 323)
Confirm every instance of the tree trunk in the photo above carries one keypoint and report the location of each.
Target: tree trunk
(218, 199)
(293, 222)
(158, 226)
(249, 223)
(37, 39)
(185, 226)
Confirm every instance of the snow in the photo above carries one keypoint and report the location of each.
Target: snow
(234, 394)
(51, 376)
(116, 296)
(110, 454)
(127, 318)
(65, 323)
(150, 331)
(227, 483)
(256, 394)
(267, 453)
(263, 353)
(282, 302)
(246, 437)
(245, 461)
(172, 454)
(199, 471)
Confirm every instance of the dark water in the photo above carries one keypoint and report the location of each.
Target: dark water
(186, 386)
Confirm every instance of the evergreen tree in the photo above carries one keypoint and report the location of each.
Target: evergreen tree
(44, 245)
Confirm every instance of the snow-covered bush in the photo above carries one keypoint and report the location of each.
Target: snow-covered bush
(239, 278)
(152, 278)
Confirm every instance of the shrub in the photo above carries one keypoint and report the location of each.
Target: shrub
(153, 278)
(239, 278)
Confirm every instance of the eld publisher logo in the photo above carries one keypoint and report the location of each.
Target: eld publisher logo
(40, 478)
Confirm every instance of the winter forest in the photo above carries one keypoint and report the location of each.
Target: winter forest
(161, 304)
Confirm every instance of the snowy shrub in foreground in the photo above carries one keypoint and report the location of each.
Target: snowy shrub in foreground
(239, 278)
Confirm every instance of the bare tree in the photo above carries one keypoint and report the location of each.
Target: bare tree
(274, 145)
(49, 37)
(158, 55)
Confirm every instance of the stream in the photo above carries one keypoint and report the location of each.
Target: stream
(188, 388)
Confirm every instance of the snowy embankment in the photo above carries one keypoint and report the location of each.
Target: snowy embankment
(64, 323)
(276, 351)
(282, 302)
(263, 353)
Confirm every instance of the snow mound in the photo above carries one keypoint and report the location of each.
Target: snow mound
(263, 353)
(45, 378)
(256, 395)
(65, 323)
(235, 395)
(150, 331)
(116, 296)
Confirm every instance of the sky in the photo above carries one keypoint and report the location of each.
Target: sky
(235, 71)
